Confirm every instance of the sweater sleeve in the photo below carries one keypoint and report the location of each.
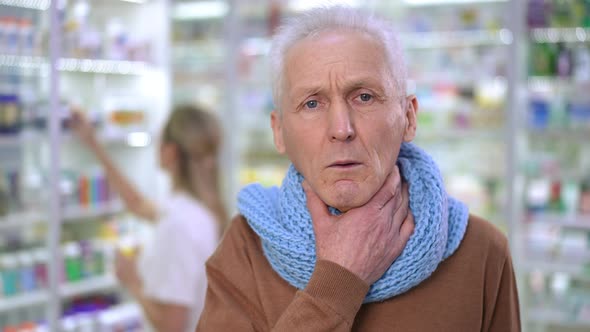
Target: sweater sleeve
(503, 306)
(330, 301)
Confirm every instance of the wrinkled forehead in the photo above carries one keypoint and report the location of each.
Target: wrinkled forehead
(352, 58)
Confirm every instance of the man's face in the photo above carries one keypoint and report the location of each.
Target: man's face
(341, 121)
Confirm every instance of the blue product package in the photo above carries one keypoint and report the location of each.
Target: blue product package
(579, 113)
(538, 114)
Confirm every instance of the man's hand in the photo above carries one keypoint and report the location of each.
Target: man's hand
(365, 240)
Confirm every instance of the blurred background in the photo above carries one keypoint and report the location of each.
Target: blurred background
(504, 90)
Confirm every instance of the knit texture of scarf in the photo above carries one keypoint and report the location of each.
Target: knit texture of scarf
(282, 221)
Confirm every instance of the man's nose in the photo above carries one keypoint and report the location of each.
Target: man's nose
(341, 122)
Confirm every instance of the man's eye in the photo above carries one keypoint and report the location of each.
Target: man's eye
(365, 97)
(311, 104)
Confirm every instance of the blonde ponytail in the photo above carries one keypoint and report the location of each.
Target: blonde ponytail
(197, 136)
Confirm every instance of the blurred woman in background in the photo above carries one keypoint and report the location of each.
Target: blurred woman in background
(168, 278)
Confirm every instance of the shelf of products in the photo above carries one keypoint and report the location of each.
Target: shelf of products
(94, 66)
(581, 222)
(91, 314)
(22, 219)
(552, 316)
(89, 286)
(28, 4)
(113, 66)
(560, 35)
(96, 210)
(574, 270)
(67, 290)
(23, 301)
(454, 39)
(553, 169)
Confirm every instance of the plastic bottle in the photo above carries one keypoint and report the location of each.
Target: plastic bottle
(83, 190)
(73, 262)
(11, 35)
(584, 207)
(98, 251)
(5, 196)
(9, 265)
(3, 35)
(582, 63)
(562, 15)
(69, 324)
(571, 197)
(10, 113)
(556, 203)
(26, 37)
(87, 259)
(564, 61)
(536, 14)
(40, 260)
(27, 278)
(27, 327)
(94, 190)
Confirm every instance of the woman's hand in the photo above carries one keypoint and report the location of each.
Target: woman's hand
(126, 271)
(82, 127)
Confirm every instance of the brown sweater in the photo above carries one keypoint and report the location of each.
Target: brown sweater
(473, 290)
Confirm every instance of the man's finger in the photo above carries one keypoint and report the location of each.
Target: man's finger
(407, 228)
(388, 190)
(320, 215)
(402, 204)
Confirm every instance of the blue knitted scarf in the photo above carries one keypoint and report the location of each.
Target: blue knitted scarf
(280, 218)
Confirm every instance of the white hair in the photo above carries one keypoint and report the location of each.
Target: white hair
(317, 20)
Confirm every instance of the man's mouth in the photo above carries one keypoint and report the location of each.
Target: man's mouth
(344, 164)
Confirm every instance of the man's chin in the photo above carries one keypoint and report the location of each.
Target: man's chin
(347, 198)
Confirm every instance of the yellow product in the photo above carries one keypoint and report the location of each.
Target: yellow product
(126, 117)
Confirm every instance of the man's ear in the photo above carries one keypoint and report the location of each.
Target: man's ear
(411, 113)
(277, 131)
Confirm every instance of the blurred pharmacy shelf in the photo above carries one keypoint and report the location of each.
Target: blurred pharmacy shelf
(129, 137)
(43, 4)
(553, 316)
(67, 290)
(560, 35)
(23, 300)
(454, 39)
(17, 140)
(88, 286)
(576, 269)
(27, 4)
(459, 134)
(580, 135)
(581, 222)
(92, 211)
(71, 214)
(21, 219)
(114, 66)
(424, 3)
(91, 66)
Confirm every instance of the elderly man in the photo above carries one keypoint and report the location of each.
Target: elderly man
(361, 235)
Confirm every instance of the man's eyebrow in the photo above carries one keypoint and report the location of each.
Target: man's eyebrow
(349, 86)
(364, 83)
(358, 84)
(306, 91)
